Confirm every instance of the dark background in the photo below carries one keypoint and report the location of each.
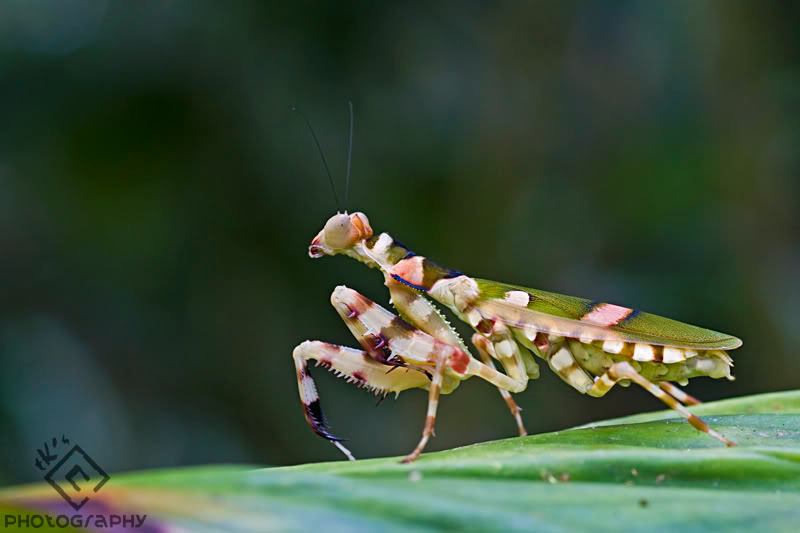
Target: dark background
(157, 198)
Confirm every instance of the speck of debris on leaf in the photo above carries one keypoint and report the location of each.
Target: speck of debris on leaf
(547, 476)
(660, 478)
(564, 477)
(643, 502)
(634, 472)
(414, 475)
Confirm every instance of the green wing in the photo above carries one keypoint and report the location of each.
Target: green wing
(569, 316)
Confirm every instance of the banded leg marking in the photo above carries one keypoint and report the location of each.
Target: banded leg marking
(564, 364)
(681, 396)
(433, 405)
(423, 314)
(312, 410)
(397, 356)
(357, 367)
(451, 357)
(624, 370)
(506, 349)
(512, 405)
(490, 374)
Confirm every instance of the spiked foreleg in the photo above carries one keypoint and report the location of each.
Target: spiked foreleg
(356, 367)
(624, 370)
(422, 313)
(390, 340)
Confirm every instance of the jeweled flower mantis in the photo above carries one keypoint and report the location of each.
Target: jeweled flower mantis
(591, 345)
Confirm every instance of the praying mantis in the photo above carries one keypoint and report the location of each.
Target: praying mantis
(590, 345)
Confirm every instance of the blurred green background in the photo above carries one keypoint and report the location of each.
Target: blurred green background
(157, 198)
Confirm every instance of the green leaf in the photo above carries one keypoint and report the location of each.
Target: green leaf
(649, 472)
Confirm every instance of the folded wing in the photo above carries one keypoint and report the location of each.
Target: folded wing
(568, 316)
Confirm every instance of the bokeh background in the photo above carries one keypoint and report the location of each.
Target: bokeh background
(157, 198)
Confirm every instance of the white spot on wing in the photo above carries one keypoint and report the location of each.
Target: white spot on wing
(607, 314)
(643, 352)
(673, 355)
(518, 298)
(613, 346)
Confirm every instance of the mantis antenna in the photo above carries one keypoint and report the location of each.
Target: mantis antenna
(322, 155)
(349, 157)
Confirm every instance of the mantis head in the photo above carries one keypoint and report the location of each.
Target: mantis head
(341, 232)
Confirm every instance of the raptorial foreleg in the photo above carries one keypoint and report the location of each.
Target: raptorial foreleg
(357, 367)
(423, 314)
(446, 363)
(624, 370)
(419, 311)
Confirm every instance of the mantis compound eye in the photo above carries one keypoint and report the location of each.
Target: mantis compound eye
(343, 231)
(339, 232)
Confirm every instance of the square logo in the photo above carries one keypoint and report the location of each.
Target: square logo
(75, 476)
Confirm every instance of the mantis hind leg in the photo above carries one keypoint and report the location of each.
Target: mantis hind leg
(449, 358)
(678, 394)
(562, 362)
(669, 394)
(433, 404)
(484, 348)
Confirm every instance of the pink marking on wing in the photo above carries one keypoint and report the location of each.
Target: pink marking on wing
(410, 270)
(607, 315)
